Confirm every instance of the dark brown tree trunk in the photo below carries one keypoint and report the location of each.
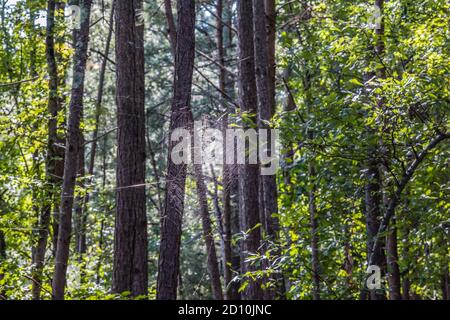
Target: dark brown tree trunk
(81, 38)
(53, 108)
(130, 272)
(406, 288)
(171, 28)
(80, 222)
(248, 173)
(213, 266)
(181, 117)
(392, 264)
(264, 64)
(373, 202)
(445, 284)
(373, 191)
(265, 95)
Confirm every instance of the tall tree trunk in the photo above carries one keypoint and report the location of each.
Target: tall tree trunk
(208, 234)
(79, 223)
(81, 38)
(269, 182)
(130, 272)
(445, 284)
(82, 211)
(248, 173)
(225, 86)
(171, 28)
(315, 263)
(181, 117)
(393, 269)
(265, 82)
(373, 192)
(53, 108)
(373, 202)
(213, 266)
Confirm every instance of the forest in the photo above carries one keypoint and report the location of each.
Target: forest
(224, 150)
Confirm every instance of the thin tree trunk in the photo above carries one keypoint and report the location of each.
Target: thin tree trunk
(265, 82)
(102, 226)
(72, 152)
(79, 223)
(208, 235)
(171, 28)
(248, 173)
(445, 284)
(373, 202)
(373, 191)
(392, 264)
(315, 263)
(83, 205)
(181, 117)
(53, 108)
(230, 293)
(130, 271)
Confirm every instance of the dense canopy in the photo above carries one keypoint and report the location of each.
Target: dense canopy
(99, 98)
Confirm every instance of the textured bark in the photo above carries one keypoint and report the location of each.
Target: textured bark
(53, 108)
(392, 264)
(265, 97)
(81, 38)
(373, 191)
(181, 117)
(212, 262)
(171, 28)
(271, 16)
(265, 82)
(373, 203)
(248, 173)
(130, 272)
(208, 235)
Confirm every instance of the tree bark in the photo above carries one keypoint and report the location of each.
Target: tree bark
(248, 173)
(171, 28)
(208, 234)
(373, 191)
(53, 108)
(98, 105)
(392, 264)
(81, 38)
(373, 202)
(315, 263)
(130, 271)
(181, 117)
